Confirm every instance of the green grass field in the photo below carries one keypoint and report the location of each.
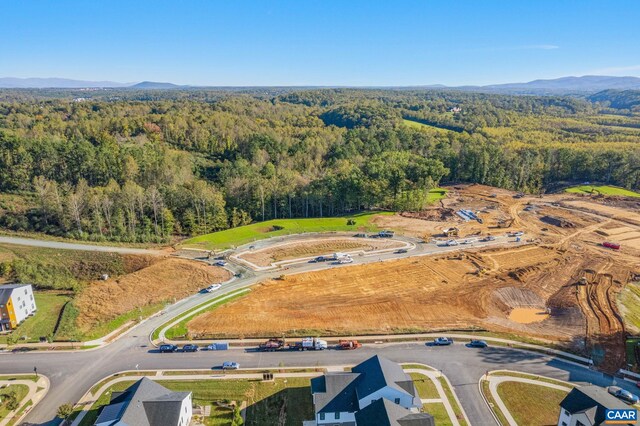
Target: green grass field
(422, 126)
(277, 227)
(602, 189)
(629, 302)
(19, 391)
(268, 403)
(425, 386)
(439, 413)
(42, 324)
(531, 404)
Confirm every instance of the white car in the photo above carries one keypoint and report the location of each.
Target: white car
(230, 365)
(220, 263)
(345, 259)
(452, 243)
(213, 288)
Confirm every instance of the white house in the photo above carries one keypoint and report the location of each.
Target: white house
(16, 305)
(587, 405)
(340, 398)
(146, 403)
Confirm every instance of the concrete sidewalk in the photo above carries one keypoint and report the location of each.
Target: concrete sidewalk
(89, 399)
(37, 390)
(495, 381)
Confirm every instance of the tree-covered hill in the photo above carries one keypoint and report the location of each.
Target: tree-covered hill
(137, 165)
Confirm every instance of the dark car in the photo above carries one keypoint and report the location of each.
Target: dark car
(401, 251)
(167, 348)
(477, 344)
(190, 348)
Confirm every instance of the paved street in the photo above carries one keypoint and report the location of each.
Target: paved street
(73, 373)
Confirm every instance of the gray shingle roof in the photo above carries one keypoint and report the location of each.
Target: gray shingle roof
(335, 392)
(379, 372)
(6, 291)
(383, 412)
(145, 403)
(591, 400)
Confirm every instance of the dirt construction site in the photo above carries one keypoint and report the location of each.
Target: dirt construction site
(562, 286)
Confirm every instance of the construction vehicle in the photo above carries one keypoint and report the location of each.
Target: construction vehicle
(349, 344)
(272, 345)
(309, 344)
(505, 223)
(451, 232)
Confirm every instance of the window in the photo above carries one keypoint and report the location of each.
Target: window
(321, 416)
(398, 401)
(337, 415)
(579, 423)
(564, 423)
(566, 413)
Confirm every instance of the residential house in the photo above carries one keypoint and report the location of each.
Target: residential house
(587, 405)
(339, 397)
(146, 403)
(383, 412)
(16, 305)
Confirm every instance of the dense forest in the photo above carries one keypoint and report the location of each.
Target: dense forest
(138, 166)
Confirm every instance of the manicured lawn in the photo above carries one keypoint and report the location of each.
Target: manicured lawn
(439, 413)
(602, 189)
(425, 386)
(531, 404)
(452, 400)
(42, 324)
(180, 330)
(20, 391)
(277, 227)
(268, 403)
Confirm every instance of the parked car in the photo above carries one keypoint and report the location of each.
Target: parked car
(320, 259)
(167, 348)
(230, 365)
(451, 243)
(401, 251)
(221, 263)
(477, 344)
(442, 341)
(489, 238)
(623, 394)
(190, 348)
(360, 235)
(212, 288)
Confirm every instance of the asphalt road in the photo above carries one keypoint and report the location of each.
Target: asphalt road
(73, 246)
(73, 373)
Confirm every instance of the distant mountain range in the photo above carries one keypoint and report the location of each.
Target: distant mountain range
(65, 83)
(584, 84)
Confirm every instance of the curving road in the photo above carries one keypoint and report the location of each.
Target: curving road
(72, 373)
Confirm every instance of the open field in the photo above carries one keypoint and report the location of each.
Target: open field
(68, 293)
(277, 227)
(268, 403)
(164, 281)
(531, 405)
(316, 247)
(480, 289)
(602, 189)
(42, 324)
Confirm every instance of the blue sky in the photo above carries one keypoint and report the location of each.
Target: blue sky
(319, 42)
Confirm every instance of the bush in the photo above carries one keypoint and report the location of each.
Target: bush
(351, 222)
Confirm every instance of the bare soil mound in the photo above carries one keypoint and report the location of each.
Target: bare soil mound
(164, 280)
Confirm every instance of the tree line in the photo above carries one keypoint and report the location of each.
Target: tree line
(148, 165)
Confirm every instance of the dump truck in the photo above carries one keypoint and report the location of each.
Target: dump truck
(349, 344)
(451, 232)
(608, 244)
(309, 344)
